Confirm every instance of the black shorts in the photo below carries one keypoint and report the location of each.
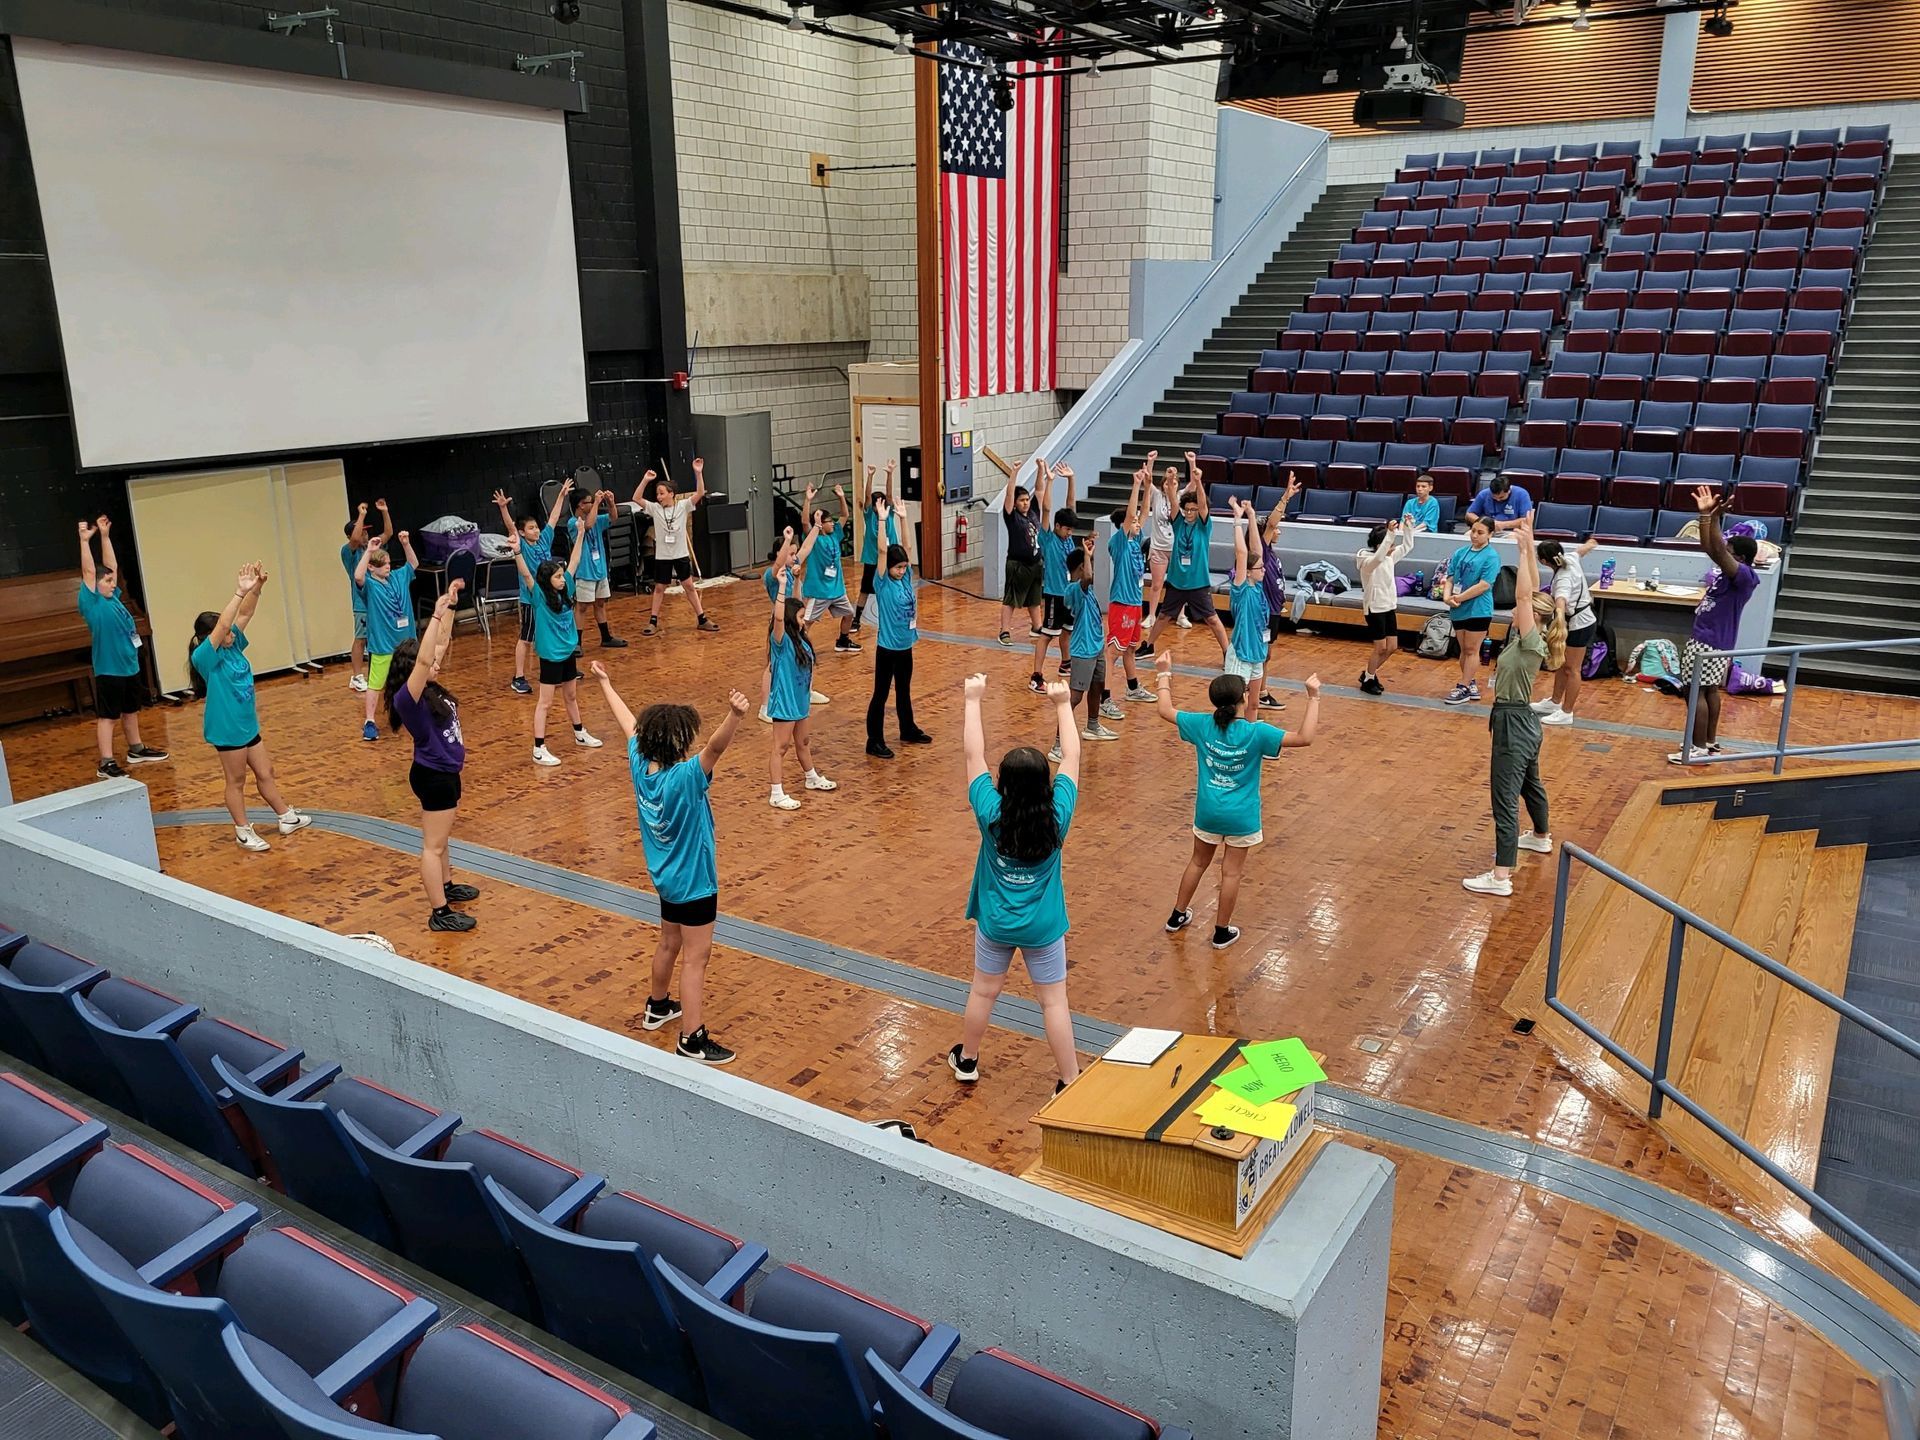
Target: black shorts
(1383, 624)
(667, 572)
(526, 622)
(117, 695)
(1058, 617)
(703, 911)
(435, 789)
(1478, 625)
(1197, 603)
(1583, 637)
(866, 581)
(559, 672)
(223, 749)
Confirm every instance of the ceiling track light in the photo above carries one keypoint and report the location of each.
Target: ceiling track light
(1093, 68)
(1719, 24)
(796, 21)
(1399, 41)
(1580, 22)
(902, 45)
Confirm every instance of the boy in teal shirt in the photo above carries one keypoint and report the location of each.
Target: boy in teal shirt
(350, 560)
(591, 585)
(535, 544)
(389, 616)
(1421, 508)
(1124, 592)
(118, 689)
(1056, 616)
(1087, 653)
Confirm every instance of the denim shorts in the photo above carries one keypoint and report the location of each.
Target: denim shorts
(1046, 964)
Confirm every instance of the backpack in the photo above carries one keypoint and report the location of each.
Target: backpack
(1325, 577)
(1436, 638)
(1603, 657)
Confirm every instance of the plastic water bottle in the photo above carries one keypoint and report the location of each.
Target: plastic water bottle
(1606, 575)
(1656, 579)
(1633, 574)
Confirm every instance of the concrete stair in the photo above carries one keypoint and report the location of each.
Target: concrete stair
(1200, 391)
(1853, 566)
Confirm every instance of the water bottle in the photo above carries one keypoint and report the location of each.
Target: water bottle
(1656, 579)
(1633, 574)
(1606, 574)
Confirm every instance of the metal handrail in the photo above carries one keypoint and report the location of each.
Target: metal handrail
(1663, 1089)
(1781, 750)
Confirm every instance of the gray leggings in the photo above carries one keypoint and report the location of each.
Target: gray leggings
(1516, 777)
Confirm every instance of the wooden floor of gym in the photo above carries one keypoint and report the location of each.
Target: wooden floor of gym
(1511, 1310)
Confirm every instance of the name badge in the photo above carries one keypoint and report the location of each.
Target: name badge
(402, 622)
(138, 642)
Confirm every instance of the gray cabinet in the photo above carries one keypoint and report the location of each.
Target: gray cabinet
(738, 451)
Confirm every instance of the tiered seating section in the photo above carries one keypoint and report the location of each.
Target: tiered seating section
(166, 1293)
(1647, 332)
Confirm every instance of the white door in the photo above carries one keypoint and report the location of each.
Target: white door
(884, 431)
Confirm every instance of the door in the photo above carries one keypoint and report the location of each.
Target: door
(884, 431)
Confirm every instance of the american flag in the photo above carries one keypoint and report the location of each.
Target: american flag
(999, 225)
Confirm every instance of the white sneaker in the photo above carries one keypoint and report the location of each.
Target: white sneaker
(765, 718)
(293, 820)
(582, 738)
(814, 697)
(544, 756)
(1138, 693)
(1054, 756)
(358, 683)
(1558, 717)
(247, 840)
(1488, 884)
(1183, 622)
(783, 802)
(1111, 711)
(1539, 844)
(1544, 707)
(821, 782)
(1100, 732)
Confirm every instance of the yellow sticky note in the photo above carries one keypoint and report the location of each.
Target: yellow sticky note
(1271, 1121)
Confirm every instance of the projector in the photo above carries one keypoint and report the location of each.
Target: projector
(1408, 109)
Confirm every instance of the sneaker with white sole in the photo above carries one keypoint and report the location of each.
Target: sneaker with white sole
(1054, 757)
(586, 741)
(145, 755)
(814, 697)
(783, 802)
(659, 1012)
(966, 1071)
(1487, 883)
(821, 782)
(1225, 935)
(1139, 692)
(1183, 622)
(293, 820)
(109, 769)
(765, 718)
(369, 731)
(1539, 844)
(1558, 717)
(544, 756)
(247, 840)
(1111, 711)
(358, 684)
(1695, 757)
(1179, 920)
(1544, 707)
(1100, 732)
(704, 1048)
(1459, 695)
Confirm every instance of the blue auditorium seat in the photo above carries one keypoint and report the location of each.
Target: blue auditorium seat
(1375, 507)
(998, 1395)
(445, 1220)
(1324, 507)
(1562, 522)
(811, 1332)
(35, 984)
(1623, 526)
(42, 1138)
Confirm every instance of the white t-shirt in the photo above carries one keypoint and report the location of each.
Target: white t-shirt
(1570, 587)
(1159, 521)
(669, 527)
(1379, 592)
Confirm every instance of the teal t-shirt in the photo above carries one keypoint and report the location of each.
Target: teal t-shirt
(350, 558)
(536, 553)
(1129, 565)
(676, 827)
(1250, 612)
(792, 695)
(108, 621)
(824, 579)
(229, 716)
(593, 554)
(896, 603)
(1187, 570)
(1423, 512)
(1053, 564)
(1469, 567)
(1089, 633)
(1013, 902)
(870, 538)
(389, 609)
(555, 636)
(1227, 800)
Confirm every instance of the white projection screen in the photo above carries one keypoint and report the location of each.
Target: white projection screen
(248, 262)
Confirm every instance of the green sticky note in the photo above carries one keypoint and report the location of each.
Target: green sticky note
(1286, 1064)
(1252, 1086)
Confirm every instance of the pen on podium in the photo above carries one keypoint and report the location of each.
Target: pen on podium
(1174, 1083)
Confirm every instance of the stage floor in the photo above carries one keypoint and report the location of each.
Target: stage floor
(1513, 1308)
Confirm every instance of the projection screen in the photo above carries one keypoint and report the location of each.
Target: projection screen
(249, 262)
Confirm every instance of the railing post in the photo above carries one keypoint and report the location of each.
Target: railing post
(1663, 1047)
(1693, 706)
(1557, 935)
(1786, 712)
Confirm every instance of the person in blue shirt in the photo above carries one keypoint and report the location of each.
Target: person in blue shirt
(230, 721)
(1018, 900)
(389, 591)
(593, 516)
(1503, 502)
(790, 657)
(1056, 615)
(535, 544)
(789, 559)
(896, 608)
(1229, 748)
(1087, 654)
(823, 579)
(119, 690)
(1247, 599)
(556, 641)
(1189, 588)
(871, 527)
(1421, 508)
(350, 561)
(670, 791)
(1125, 597)
(1467, 592)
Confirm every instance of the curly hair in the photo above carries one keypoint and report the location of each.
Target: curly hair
(1027, 830)
(665, 733)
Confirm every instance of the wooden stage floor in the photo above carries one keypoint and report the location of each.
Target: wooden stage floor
(1511, 1310)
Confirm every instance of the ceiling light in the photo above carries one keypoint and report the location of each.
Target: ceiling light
(1580, 21)
(901, 45)
(1003, 92)
(794, 21)
(1093, 68)
(1399, 39)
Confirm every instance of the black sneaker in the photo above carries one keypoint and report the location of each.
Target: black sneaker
(1058, 1086)
(612, 642)
(712, 627)
(1225, 935)
(845, 646)
(1037, 685)
(144, 755)
(1145, 652)
(461, 894)
(964, 1070)
(520, 686)
(1006, 638)
(879, 750)
(659, 1012)
(1066, 667)
(1370, 685)
(1179, 920)
(450, 920)
(1272, 702)
(704, 1048)
(918, 737)
(109, 769)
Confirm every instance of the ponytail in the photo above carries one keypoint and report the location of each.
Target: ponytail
(203, 626)
(1227, 694)
(1553, 630)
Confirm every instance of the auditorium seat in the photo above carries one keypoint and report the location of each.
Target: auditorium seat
(996, 1396)
(42, 1139)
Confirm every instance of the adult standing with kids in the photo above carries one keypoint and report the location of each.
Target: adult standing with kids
(416, 699)
(1229, 749)
(1716, 620)
(672, 517)
(1018, 900)
(896, 606)
(670, 791)
(350, 558)
(230, 720)
(535, 545)
(593, 518)
(389, 616)
(119, 690)
(1467, 592)
(1538, 638)
(556, 641)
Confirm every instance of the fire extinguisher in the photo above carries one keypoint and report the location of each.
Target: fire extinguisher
(960, 536)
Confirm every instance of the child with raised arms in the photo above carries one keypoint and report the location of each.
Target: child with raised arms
(823, 579)
(1087, 654)
(119, 690)
(790, 659)
(896, 606)
(1054, 543)
(416, 699)
(535, 544)
(1124, 594)
(350, 559)
(1247, 598)
(593, 518)
(870, 531)
(389, 616)
(672, 517)
(556, 639)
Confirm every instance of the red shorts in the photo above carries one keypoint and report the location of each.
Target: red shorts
(1123, 626)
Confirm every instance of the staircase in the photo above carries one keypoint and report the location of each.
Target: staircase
(1853, 571)
(1200, 391)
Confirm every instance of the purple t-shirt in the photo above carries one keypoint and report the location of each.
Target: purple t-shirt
(1270, 582)
(436, 746)
(1716, 622)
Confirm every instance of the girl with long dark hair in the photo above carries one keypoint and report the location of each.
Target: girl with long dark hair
(556, 637)
(790, 694)
(896, 613)
(416, 699)
(1018, 900)
(1226, 804)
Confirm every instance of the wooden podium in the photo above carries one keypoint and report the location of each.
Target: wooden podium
(1127, 1138)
